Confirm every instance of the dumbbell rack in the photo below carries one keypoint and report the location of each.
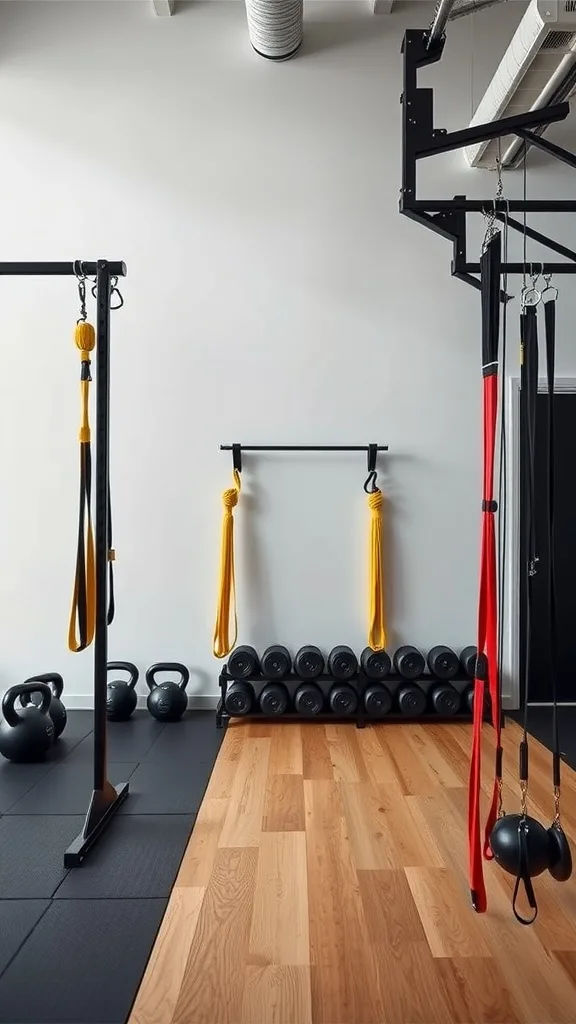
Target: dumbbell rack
(360, 682)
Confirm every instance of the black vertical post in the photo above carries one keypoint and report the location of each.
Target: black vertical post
(102, 525)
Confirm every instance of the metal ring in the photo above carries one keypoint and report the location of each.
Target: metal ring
(530, 296)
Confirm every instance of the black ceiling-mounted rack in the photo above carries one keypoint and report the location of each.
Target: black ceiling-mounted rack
(420, 139)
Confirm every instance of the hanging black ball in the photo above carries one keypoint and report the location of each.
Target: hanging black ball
(560, 856)
(505, 843)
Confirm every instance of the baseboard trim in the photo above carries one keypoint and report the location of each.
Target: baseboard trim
(196, 701)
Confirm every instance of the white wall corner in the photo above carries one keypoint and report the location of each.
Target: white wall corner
(163, 8)
(381, 6)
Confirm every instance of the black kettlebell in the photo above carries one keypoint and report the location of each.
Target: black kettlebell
(57, 711)
(276, 662)
(514, 831)
(26, 733)
(408, 662)
(559, 854)
(446, 700)
(167, 701)
(243, 663)
(411, 700)
(239, 698)
(443, 662)
(468, 660)
(309, 662)
(121, 698)
(274, 699)
(377, 700)
(343, 699)
(342, 662)
(309, 700)
(375, 664)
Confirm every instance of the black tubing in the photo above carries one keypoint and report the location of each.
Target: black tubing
(243, 663)
(343, 699)
(377, 700)
(409, 662)
(276, 662)
(443, 662)
(411, 700)
(309, 662)
(309, 700)
(446, 701)
(375, 664)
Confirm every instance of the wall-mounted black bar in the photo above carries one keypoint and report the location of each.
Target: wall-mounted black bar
(117, 269)
(106, 798)
(443, 142)
(549, 147)
(483, 205)
(303, 447)
(521, 268)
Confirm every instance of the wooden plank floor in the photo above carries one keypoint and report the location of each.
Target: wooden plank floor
(326, 882)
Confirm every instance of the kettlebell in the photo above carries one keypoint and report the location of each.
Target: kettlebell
(516, 838)
(243, 663)
(309, 662)
(274, 699)
(276, 662)
(57, 711)
(121, 698)
(26, 733)
(375, 664)
(342, 662)
(377, 700)
(309, 700)
(445, 700)
(443, 662)
(167, 701)
(411, 700)
(343, 699)
(408, 662)
(239, 698)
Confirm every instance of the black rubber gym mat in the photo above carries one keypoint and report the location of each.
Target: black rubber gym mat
(126, 741)
(82, 963)
(17, 779)
(138, 858)
(66, 789)
(195, 737)
(172, 788)
(17, 919)
(32, 854)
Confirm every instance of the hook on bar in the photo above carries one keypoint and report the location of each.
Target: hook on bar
(370, 485)
(237, 457)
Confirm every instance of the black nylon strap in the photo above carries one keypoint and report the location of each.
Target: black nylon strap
(84, 506)
(523, 878)
(550, 324)
(111, 602)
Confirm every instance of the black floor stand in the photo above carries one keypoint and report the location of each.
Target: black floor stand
(106, 799)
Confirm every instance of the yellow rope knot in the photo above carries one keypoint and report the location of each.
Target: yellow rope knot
(85, 337)
(223, 642)
(376, 614)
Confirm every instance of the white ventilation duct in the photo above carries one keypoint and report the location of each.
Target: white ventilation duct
(275, 27)
(538, 69)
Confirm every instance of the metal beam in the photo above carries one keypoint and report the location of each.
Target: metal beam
(443, 142)
(443, 10)
(549, 147)
(381, 6)
(163, 8)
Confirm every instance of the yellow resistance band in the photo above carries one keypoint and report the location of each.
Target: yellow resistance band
(377, 618)
(223, 644)
(83, 612)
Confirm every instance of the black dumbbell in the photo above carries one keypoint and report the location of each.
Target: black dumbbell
(57, 711)
(377, 700)
(276, 662)
(167, 701)
(468, 660)
(443, 662)
(343, 699)
(469, 701)
(411, 700)
(309, 662)
(342, 662)
(309, 700)
(375, 664)
(408, 662)
(243, 663)
(274, 699)
(239, 698)
(121, 698)
(445, 700)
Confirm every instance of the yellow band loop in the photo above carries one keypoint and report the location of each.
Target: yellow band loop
(376, 613)
(223, 642)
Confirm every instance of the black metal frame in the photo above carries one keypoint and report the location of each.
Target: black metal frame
(447, 217)
(106, 798)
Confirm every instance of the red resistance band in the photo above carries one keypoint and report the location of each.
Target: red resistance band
(487, 660)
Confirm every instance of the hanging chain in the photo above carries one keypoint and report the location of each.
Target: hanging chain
(490, 215)
(501, 811)
(556, 806)
(524, 798)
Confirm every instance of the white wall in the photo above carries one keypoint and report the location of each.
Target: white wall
(274, 296)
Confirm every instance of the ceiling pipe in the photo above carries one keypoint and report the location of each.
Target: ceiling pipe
(439, 22)
(275, 27)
